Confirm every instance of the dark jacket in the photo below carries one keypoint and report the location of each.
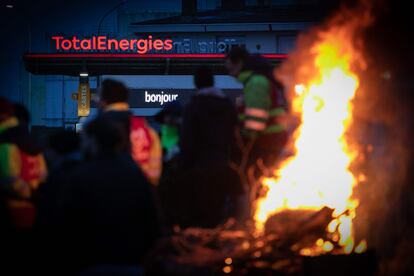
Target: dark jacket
(208, 129)
(203, 190)
(51, 192)
(123, 118)
(108, 213)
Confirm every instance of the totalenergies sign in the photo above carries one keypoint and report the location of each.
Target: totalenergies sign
(104, 44)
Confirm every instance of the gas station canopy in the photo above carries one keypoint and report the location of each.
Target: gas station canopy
(94, 64)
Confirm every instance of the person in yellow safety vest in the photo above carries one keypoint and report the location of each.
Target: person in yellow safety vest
(22, 167)
(262, 109)
(145, 146)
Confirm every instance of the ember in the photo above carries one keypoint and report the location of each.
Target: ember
(199, 251)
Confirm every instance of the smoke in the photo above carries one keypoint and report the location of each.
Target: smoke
(383, 129)
(347, 25)
(382, 132)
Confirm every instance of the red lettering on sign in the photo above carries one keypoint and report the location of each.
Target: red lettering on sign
(142, 45)
(113, 44)
(168, 44)
(57, 40)
(66, 44)
(75, 42)
(86, 44)
(124, 45)
(158, 44)
(102, 43)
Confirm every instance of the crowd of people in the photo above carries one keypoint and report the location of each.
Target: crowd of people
(98, 201)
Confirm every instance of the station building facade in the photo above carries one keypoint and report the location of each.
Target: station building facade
(198, 38)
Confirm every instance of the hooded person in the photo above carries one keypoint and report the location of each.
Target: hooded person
(144, 143)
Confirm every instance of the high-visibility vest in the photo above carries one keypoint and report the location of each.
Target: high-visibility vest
(146, 148)
(20, 174)
(145, 144)
(264, 105)
(30, 170)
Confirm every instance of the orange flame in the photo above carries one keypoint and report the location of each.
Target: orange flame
(318, 174)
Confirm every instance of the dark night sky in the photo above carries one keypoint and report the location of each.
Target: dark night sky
(42, 16)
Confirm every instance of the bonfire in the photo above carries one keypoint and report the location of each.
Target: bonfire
(308, 206)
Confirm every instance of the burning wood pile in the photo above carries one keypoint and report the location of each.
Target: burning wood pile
(308, 206)
(225, 249)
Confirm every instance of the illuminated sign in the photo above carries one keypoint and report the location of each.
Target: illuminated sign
(104, 44)
(160, 98)
(84, 98)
